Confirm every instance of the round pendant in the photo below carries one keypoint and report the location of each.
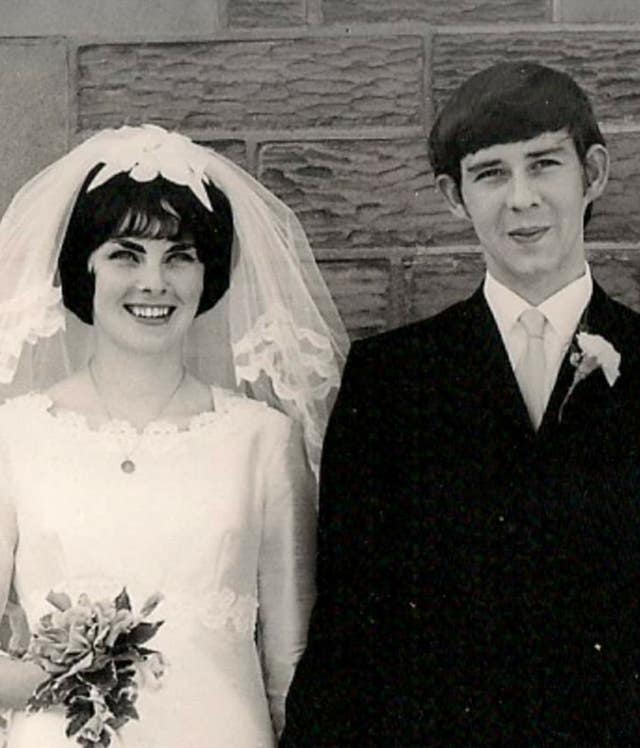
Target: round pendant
(127, 466)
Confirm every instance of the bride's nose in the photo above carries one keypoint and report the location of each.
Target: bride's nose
(151, 278)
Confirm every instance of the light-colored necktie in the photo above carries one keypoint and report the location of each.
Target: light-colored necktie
(532, 367)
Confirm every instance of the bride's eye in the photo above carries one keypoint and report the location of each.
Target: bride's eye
(182, 257)
(124, 255)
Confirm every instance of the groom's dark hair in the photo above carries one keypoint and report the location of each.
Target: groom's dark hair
(507, 103)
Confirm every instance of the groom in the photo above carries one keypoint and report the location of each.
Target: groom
(479, 562)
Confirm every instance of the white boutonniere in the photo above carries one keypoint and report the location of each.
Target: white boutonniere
(592, 352)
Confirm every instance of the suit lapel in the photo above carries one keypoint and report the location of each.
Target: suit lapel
(593, 390)
(489, 380)
(560, 391)
(489, 367)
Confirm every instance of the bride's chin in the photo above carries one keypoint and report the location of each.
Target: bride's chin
(144, 339)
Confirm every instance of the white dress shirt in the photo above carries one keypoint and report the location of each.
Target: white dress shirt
(563, 311)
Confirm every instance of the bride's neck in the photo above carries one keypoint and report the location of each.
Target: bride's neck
(135, 387)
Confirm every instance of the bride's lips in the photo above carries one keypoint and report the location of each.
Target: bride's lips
(528, 234)
(150, 314)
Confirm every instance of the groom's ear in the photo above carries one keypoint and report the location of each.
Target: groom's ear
(449, 189)
(596, 171)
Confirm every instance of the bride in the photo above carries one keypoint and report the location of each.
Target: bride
(177, 450)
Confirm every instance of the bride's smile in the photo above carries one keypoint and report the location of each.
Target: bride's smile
(154, 313)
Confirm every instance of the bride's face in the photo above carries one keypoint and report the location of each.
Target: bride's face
(147, 291)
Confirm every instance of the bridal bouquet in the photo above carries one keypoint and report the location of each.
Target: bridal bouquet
(93, 652)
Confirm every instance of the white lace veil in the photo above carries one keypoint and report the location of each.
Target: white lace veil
(275, 334)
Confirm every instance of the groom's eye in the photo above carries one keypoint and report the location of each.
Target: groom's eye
(542, 164)
(494, 172)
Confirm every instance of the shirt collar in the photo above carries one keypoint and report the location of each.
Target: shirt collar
(562, 310)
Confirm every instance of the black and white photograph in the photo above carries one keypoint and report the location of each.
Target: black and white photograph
(319, 373)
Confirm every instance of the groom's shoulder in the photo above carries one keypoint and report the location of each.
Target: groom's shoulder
(626, 313)
(419, 338)
(623, 318)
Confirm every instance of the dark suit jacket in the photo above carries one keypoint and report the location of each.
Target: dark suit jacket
(479, 583)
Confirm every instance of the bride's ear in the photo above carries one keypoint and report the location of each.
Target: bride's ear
(448, 188)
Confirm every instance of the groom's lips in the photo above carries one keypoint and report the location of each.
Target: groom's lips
(528, 234)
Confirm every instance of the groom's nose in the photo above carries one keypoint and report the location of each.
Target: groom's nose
(521, 191)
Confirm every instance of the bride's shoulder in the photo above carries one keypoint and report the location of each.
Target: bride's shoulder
(232, 401)
(67, 394)
(18, 412)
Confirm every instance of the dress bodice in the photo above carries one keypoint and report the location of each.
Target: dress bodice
(217, 516)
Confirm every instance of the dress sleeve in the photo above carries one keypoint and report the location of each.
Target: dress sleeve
(286, 587)
(333, 678)
(8, 532)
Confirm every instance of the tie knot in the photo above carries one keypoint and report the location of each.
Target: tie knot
(533, 321)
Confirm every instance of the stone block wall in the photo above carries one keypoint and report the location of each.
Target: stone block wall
(329, 102)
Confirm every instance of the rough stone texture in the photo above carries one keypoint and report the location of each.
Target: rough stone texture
(616, 215)
(605, 63)
(232, 149)
(436, 281)
(33, 109)
(618, 270)
(151, 19)
(265, 13)
(279, 84)
(360, 290)
(381, 193)
(356, 194)
(607, 11)
(435, 11)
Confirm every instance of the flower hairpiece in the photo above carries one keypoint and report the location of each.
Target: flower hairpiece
(149, 151)
(593, 352)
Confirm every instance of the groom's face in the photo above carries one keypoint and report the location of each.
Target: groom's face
(526, 201)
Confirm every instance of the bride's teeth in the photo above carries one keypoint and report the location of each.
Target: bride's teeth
(150, 311)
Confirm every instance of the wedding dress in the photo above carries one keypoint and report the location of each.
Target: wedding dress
(217, 517)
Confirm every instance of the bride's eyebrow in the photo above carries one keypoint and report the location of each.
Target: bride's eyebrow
(128, 244)
(182, 247)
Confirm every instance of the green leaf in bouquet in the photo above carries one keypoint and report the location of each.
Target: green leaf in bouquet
(123, 601)
(125, 664)
(78, 713)
(84, 663)
(101, 660)
(104, 679)
(146, 652)
(42, 697)
(123, 622)
(123, 710)
(142, 633)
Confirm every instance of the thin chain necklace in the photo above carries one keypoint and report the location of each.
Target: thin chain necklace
(128, 465)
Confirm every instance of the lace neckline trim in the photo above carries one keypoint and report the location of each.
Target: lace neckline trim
(223, 401)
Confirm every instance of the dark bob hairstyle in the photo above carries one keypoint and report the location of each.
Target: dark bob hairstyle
(158, 209)
(507, 103)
